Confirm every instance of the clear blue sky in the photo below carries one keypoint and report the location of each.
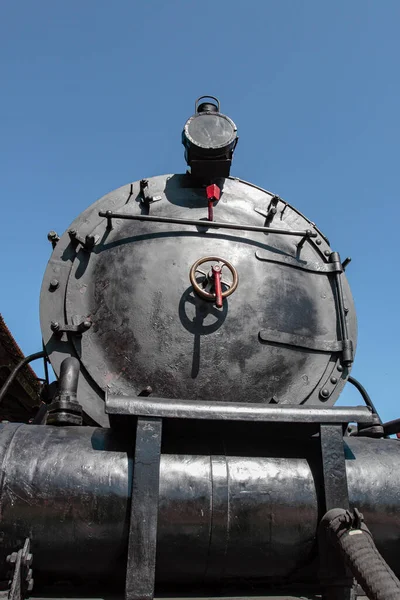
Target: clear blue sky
(94, 95)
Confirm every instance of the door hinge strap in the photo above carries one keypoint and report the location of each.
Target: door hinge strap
(290, 261)
(300, 341)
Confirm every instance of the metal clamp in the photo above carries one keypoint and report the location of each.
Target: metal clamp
(87, 244)
(145, 197)
(59, 329)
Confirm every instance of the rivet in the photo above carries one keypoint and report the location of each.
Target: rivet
(339, 368)
(333, 380)
(324, 393)
(53, 237)
(318, 242)
(327, 253)
(54, 283)
(85, 325)
(346, 310)
(55, 326)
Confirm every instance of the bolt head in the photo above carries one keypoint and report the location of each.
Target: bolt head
(54, 326)
(54, 283)
(86, 324)
(52, 235)
(324, 393)
(12, 558)
(340, 367)
(327, 253)
(333, 380)
(318, 242)
(90, 241)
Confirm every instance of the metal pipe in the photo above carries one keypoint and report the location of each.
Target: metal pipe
(391, 427)
(222, 517)
(17, 369)
(46, 366)
(234, 411)
(366, 397)
(68, 380)
(207, 224)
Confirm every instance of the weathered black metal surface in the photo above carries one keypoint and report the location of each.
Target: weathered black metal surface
(150, 329)
(229, 510)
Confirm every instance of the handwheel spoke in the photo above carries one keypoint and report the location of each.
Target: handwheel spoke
(227, 283)
(214, 311)
(201, 271)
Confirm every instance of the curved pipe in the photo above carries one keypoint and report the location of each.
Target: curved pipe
(68, 380)
(365, 396)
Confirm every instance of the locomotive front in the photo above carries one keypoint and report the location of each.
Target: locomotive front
(202, 329)
(130, 290)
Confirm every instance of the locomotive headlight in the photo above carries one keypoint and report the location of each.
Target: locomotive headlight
(209, 138)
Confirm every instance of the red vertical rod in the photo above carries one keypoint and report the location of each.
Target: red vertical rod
(217, 284)
(211, 210)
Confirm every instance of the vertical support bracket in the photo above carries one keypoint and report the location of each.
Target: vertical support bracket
(334, 466)
(140, 572)
(335, 577)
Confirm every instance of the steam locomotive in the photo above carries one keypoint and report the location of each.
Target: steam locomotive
(201, 330)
